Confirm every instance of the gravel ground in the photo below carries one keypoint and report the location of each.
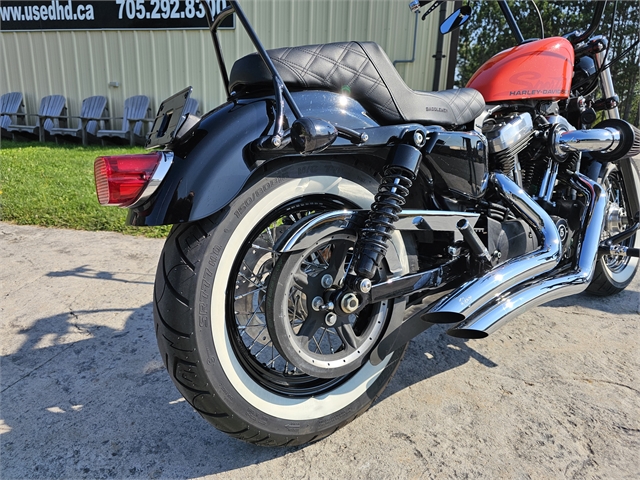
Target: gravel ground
(554, 394)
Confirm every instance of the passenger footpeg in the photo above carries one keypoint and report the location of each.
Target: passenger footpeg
(619, 250)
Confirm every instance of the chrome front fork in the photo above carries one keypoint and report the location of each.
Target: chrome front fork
(629, 173)
(606, 82)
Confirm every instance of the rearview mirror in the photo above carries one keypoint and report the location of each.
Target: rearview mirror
(456, 19)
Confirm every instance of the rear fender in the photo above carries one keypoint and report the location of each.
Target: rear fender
(217, 161)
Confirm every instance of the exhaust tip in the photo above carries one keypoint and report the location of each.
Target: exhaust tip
(442, 317)
(468, 334)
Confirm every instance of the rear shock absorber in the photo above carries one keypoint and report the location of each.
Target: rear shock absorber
(398, 176)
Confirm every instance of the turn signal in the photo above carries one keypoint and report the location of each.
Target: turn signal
(121, 179)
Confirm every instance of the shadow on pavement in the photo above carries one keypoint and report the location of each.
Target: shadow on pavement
(80, 399)
(86, 272)
(430, 354)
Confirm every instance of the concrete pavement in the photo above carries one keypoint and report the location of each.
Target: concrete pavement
(84, 394)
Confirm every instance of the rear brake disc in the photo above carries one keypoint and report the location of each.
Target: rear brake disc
(303, 324)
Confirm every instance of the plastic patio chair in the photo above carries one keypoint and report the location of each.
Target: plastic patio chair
(10, 105)
(136, 112)
(50, 114)
(91, 113)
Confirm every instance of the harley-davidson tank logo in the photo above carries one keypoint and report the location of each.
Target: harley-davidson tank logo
(536, 84)
(437, 109)
(522, 93)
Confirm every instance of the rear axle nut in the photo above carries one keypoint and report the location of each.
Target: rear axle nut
(349, 303)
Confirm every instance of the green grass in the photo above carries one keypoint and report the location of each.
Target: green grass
(52, 186)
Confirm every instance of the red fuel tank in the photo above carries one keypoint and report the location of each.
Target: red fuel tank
(540, 70)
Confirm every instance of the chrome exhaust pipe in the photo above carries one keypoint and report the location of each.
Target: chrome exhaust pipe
(537, 291)
(611, 140)
(594, 140)
(467, 299)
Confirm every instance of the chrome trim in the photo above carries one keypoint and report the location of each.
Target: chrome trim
(510, 134)
(560, 120)
(474, 294)
(306, 234)
(545, 180)
(606, 82)
(509, 303)
(552, 182)
(315, 226)
(517, 172)
(593, 140)
(156, 179)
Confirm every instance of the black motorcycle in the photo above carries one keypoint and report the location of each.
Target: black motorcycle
(325, 198)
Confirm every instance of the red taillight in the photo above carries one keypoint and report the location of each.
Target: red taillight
(120, 179)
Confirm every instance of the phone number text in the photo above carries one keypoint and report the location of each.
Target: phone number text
(164, 9)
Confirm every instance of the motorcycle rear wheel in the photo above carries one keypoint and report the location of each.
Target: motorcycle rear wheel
(209, 312)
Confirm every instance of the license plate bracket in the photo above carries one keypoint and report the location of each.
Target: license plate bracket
(169, 120)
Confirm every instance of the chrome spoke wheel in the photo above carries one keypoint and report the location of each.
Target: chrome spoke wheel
(614, 273)
(248, 328)
(616, 221)
(210, 309)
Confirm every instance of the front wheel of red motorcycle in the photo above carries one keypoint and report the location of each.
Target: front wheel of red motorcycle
(210, 304)
(615, 272)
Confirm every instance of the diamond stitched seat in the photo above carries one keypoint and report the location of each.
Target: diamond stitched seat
(364, 71)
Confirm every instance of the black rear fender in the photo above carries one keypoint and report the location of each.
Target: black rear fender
(214, 164)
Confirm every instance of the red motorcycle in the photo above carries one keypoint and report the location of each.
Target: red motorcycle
(326, 197)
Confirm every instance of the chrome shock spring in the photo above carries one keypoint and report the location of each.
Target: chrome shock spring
(391, 196)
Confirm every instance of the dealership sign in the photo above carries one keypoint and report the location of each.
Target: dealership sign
(108, 14)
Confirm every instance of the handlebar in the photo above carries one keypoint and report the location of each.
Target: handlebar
(576, 38)
(506, 11)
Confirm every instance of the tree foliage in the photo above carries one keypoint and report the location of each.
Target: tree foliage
(487, 33)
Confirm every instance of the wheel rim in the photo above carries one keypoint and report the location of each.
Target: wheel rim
(616, 221)
(246, 319)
